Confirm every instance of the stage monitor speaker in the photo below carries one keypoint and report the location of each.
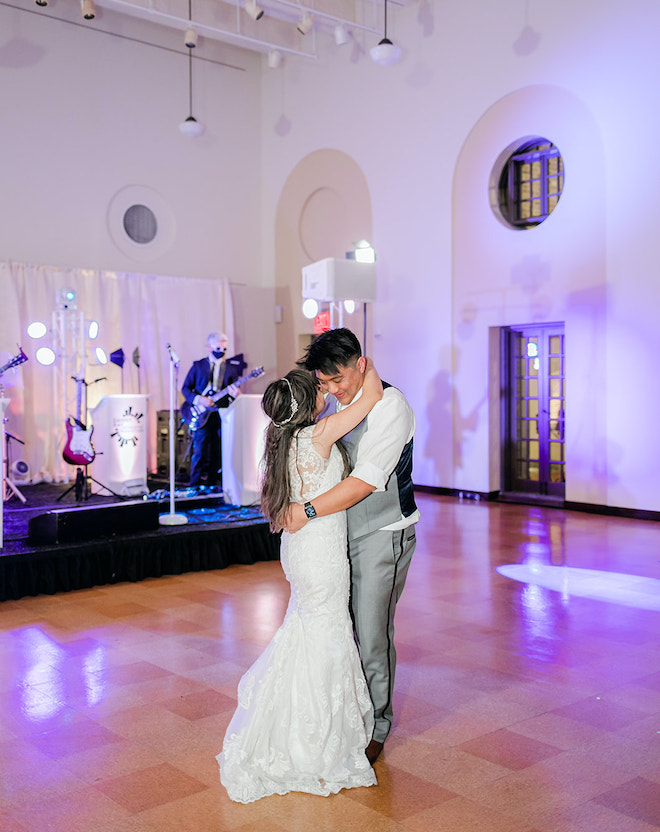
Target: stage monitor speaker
(67, 525)
(181, 454)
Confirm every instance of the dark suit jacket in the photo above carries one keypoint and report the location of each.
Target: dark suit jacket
(199, 376)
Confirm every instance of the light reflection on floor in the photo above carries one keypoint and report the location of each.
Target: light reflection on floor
(615, 587)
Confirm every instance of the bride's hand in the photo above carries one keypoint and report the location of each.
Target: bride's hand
(372, 381)
(295, 518)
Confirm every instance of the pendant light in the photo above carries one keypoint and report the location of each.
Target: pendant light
(386, 53)
(190, 127)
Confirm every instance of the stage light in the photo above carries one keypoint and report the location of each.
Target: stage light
(45, 356)
(93, 330)
(117, 357)
(310, 308)
(349, 306)
(100, 355)
(88, 9)
(305, 24)
(36, 329)
(66, 299)
(190, 38)
(255, 11)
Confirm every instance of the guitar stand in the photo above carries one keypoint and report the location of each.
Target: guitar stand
(82, 489)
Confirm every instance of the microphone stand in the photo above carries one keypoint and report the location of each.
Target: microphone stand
(172, 519)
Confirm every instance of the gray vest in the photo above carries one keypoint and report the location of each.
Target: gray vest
(380, 508)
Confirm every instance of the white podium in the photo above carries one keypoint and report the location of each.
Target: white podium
(120, 442)
(243, 440)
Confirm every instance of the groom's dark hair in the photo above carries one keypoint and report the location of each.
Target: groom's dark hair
(333, 349)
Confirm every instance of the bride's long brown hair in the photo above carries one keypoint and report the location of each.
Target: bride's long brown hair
(277, 404)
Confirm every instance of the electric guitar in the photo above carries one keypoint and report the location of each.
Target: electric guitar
(195, 416)
(78, 449)
(14, 362)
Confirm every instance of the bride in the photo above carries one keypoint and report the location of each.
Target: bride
(304, 715)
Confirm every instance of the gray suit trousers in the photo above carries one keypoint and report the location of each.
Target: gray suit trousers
(379, 565)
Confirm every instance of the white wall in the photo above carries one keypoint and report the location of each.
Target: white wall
(581, 75)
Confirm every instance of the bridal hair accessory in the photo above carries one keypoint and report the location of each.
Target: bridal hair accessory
(294, 406)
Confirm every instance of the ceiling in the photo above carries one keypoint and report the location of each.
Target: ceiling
(228, 21)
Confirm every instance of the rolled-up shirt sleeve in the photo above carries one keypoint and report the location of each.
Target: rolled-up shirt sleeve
(391, 425)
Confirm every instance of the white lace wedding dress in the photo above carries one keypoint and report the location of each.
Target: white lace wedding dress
(304, 715)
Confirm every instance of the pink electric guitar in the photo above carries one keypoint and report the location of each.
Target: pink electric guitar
(14, 362)
(78, 449)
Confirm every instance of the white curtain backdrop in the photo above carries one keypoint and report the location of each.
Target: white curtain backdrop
(133, 311)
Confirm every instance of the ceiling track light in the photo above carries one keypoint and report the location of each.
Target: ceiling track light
(88, 9)
(274, 59)
(255, 11)
(341, 34)
(305, 24)
(386, 53)
(190, 38)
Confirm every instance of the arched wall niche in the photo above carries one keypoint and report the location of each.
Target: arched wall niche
(555, 272)
(324, 207)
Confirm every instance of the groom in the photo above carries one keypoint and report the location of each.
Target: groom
(381, 512)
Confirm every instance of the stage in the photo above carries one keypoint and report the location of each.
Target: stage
(55, 543)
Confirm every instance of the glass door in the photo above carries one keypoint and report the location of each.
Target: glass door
(534, 384)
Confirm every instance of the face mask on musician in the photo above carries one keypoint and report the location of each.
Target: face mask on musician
(219, 353)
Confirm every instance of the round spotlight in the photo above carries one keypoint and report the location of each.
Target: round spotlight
(349, 306)
(190, 39)
(36, 329)
(66, 299)
(88, 9)
(41, 2)
(93, 330)
(45, 356)
(101, 356)
(310, 308)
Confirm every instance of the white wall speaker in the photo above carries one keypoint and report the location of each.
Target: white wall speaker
(334, 279)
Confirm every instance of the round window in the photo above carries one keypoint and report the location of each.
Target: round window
(529, 180)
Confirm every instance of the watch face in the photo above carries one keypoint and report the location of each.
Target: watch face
(309, 510)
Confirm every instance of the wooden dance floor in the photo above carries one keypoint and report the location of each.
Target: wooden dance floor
(527, 699)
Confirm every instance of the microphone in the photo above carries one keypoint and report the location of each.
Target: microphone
(173, 355)
(136, 357)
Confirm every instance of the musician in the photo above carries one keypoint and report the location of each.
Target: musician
(206, 376)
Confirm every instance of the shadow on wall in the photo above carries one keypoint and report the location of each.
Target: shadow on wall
(445, 418)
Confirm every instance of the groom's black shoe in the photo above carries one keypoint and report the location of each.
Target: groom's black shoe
(373, 751)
